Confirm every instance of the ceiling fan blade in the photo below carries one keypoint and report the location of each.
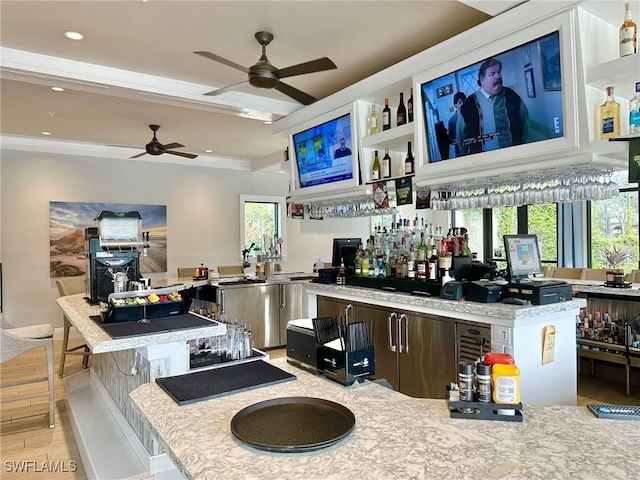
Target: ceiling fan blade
(226, 89)
(181, 154)
(318, 65)
(297, 95)
(217, 58)
(139, 155)
(124, 146)
(169, 146)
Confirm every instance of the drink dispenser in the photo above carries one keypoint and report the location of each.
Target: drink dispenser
(112, 249)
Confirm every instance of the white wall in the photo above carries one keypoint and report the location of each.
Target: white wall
(202, 218)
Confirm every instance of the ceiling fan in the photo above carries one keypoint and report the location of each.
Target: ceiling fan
(264, 75)
(154, 147)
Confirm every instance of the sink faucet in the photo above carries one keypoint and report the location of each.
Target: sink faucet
(245, 253)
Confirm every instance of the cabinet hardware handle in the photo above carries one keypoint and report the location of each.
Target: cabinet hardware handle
(406, 334)
(391, 346)
(283, 296)
(346, 313)
(221, 302)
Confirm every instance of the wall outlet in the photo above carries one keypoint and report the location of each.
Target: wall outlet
(501, 334)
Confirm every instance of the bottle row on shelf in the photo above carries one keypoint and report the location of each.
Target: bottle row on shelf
(385, 169)
(600, 327)
(415, 254)
(404, 114)
(609, 121)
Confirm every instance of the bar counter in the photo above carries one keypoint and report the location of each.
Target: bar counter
(396, 436)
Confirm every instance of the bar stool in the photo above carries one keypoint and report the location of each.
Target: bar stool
(15, 341)
(71, 286)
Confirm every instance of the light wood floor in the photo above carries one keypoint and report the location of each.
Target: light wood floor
(25, 436)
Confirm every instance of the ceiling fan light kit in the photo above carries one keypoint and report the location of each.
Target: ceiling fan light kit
(265, 76)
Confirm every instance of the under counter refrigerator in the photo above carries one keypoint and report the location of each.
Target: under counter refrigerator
(415, 353)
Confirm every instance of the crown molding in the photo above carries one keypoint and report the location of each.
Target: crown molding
(91, 150)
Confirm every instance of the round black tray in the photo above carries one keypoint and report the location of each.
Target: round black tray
(293, 424)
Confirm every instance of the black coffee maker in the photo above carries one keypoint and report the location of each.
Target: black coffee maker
(113, 246)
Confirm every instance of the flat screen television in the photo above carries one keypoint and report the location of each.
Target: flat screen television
(345, 249)
(325, 152)
(523, 256)
(502, 100)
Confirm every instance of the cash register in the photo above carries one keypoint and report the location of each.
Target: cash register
(525, 270)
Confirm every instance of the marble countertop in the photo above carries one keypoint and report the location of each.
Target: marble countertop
(77, 310)
(396, 437)
(440, 306)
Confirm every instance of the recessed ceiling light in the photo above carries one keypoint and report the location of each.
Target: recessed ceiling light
(57, 89)
(73, 35)
(268, 122)
(208, 151)
(46, 133)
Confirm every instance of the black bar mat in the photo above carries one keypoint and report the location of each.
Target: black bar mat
(128, 329)
(179, 322)
(154, 325)
(199, 386)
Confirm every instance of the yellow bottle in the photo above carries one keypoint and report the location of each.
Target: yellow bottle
(506, 383)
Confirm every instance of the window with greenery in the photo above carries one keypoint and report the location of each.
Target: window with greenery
(614, 238)
(262, 217)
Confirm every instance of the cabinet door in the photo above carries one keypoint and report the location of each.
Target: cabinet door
(332, 307)
(243, 304)
(385, 338)
(269, 315)
(292, 306)
(427, 361)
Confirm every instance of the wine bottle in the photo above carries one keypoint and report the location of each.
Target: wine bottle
(375, 171)
(634, 111)
(609, 125)
(628, 34)
(373, 121)
(410, 106)
(386, 115)
(341, 278)
(386, 164)
(401, 113)
(408, 161)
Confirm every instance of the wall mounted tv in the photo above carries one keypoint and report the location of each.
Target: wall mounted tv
(325, 152)
(503, 100)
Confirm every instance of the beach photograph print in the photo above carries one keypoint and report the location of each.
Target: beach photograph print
(67, 221)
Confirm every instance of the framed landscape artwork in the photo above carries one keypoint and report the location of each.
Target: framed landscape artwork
(67, 221)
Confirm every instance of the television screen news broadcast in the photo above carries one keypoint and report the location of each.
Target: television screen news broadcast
(512, 98)
(324, 152)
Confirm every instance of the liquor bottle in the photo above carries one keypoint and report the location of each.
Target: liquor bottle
(386, 164)
(386, 115)
(634, 111)
(410, 106)
(373, 121)
(341, 278)
(609, 125)
(628, 34)
(375, 171)
(408, 161)
(401, 113)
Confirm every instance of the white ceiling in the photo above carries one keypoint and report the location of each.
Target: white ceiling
(135, 67)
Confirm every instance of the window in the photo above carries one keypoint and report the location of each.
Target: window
(262, 221)
(614, 228)
(487, 227)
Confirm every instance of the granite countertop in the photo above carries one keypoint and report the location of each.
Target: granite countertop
(495, 310)
(594, 287)
(77, 310)
(396, 437)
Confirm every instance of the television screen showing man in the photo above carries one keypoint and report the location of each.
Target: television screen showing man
(494, 116)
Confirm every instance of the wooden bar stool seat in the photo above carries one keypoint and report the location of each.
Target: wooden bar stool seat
(71, 286)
